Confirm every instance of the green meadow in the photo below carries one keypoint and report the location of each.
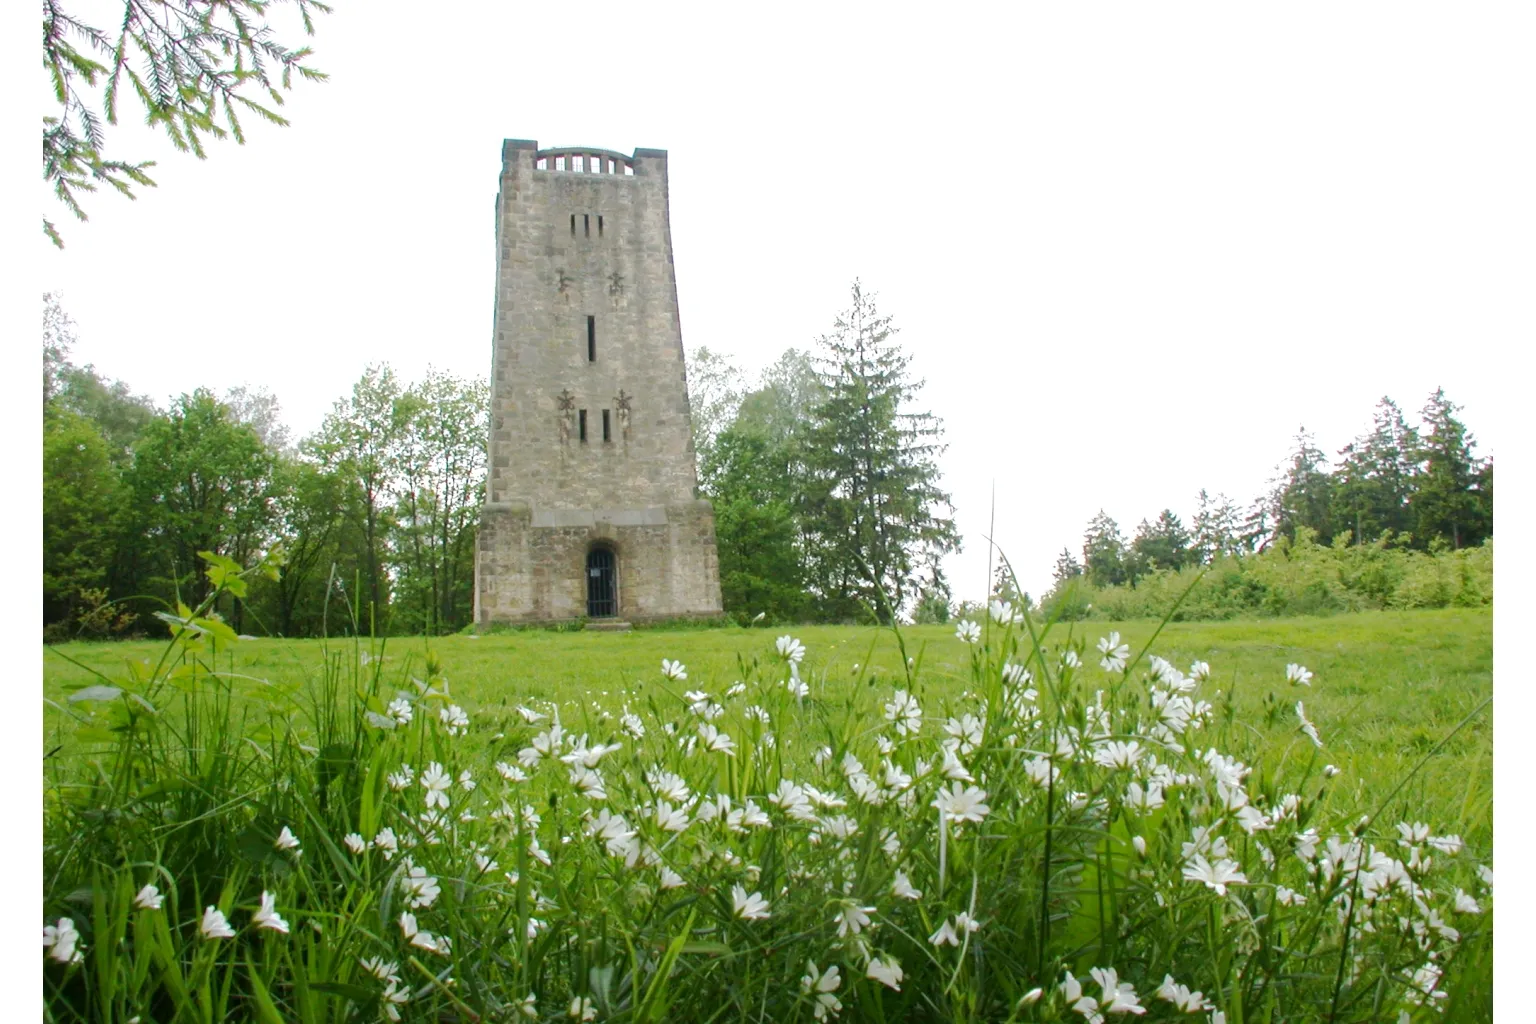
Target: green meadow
(1388, 687)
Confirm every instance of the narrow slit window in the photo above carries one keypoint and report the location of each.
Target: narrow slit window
(581, 425)
(586, 224)
(573, 225)
(599, 225)
(607, 428)
(591, 339)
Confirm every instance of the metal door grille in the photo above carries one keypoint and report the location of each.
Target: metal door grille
(602, 594)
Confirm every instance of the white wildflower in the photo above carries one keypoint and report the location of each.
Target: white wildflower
(748, 907)
(1215, 876)
(436, 782)
(1117, 754)
(1116, 996)
(790, 649)
(1307, 727)
(967, 729)
(902, 887)
(401, 779)
(1181, 997)
(267, 916)
(716, 740)
(63, 941)
(944, 936)
(904, 712)
(1115, 653)
(455, 719)
(387, 842)
(420, 889)
(1072, 993)
(215, 925)
(851, 919)
(886, 971)
(962, 804)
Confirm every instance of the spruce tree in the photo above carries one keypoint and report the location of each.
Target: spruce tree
(1106, 559)
(1163, 544)
(1215, 532)
(872, 501)
(1444, 502)
(1067, 568)
(1374, 478)
(1302, 495)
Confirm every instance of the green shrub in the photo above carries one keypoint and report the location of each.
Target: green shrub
(1299, 577)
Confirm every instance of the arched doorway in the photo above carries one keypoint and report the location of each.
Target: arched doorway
(602, 584)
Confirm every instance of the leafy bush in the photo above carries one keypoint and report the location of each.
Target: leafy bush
(1299, 577)
(1077, 835)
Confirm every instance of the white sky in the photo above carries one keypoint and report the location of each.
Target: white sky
(1130, 250)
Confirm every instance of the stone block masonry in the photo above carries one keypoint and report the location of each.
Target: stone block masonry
(592, 506)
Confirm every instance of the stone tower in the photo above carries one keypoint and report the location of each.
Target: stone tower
(592, 506)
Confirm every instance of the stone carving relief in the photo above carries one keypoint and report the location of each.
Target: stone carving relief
(567, 403)
(621, 410)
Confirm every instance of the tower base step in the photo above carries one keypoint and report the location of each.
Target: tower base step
(608, 626)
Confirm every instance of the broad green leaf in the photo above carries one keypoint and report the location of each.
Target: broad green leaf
(95, 693)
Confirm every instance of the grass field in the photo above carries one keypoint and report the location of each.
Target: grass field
(1388, 686)
(679, 871)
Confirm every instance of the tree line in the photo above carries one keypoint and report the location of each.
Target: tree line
(1414, 487)
(373, 515)
(824, 478)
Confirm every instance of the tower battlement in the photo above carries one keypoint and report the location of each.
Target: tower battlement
(592, 496)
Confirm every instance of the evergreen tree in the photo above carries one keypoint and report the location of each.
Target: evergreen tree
(1067, 568)
(190, 64)
(1163, 544)
(1257, 530)
(1445, 502)
(1374, 478)
(1216, 529)
(1106, 558)
(1303, 494)
(872, 501)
